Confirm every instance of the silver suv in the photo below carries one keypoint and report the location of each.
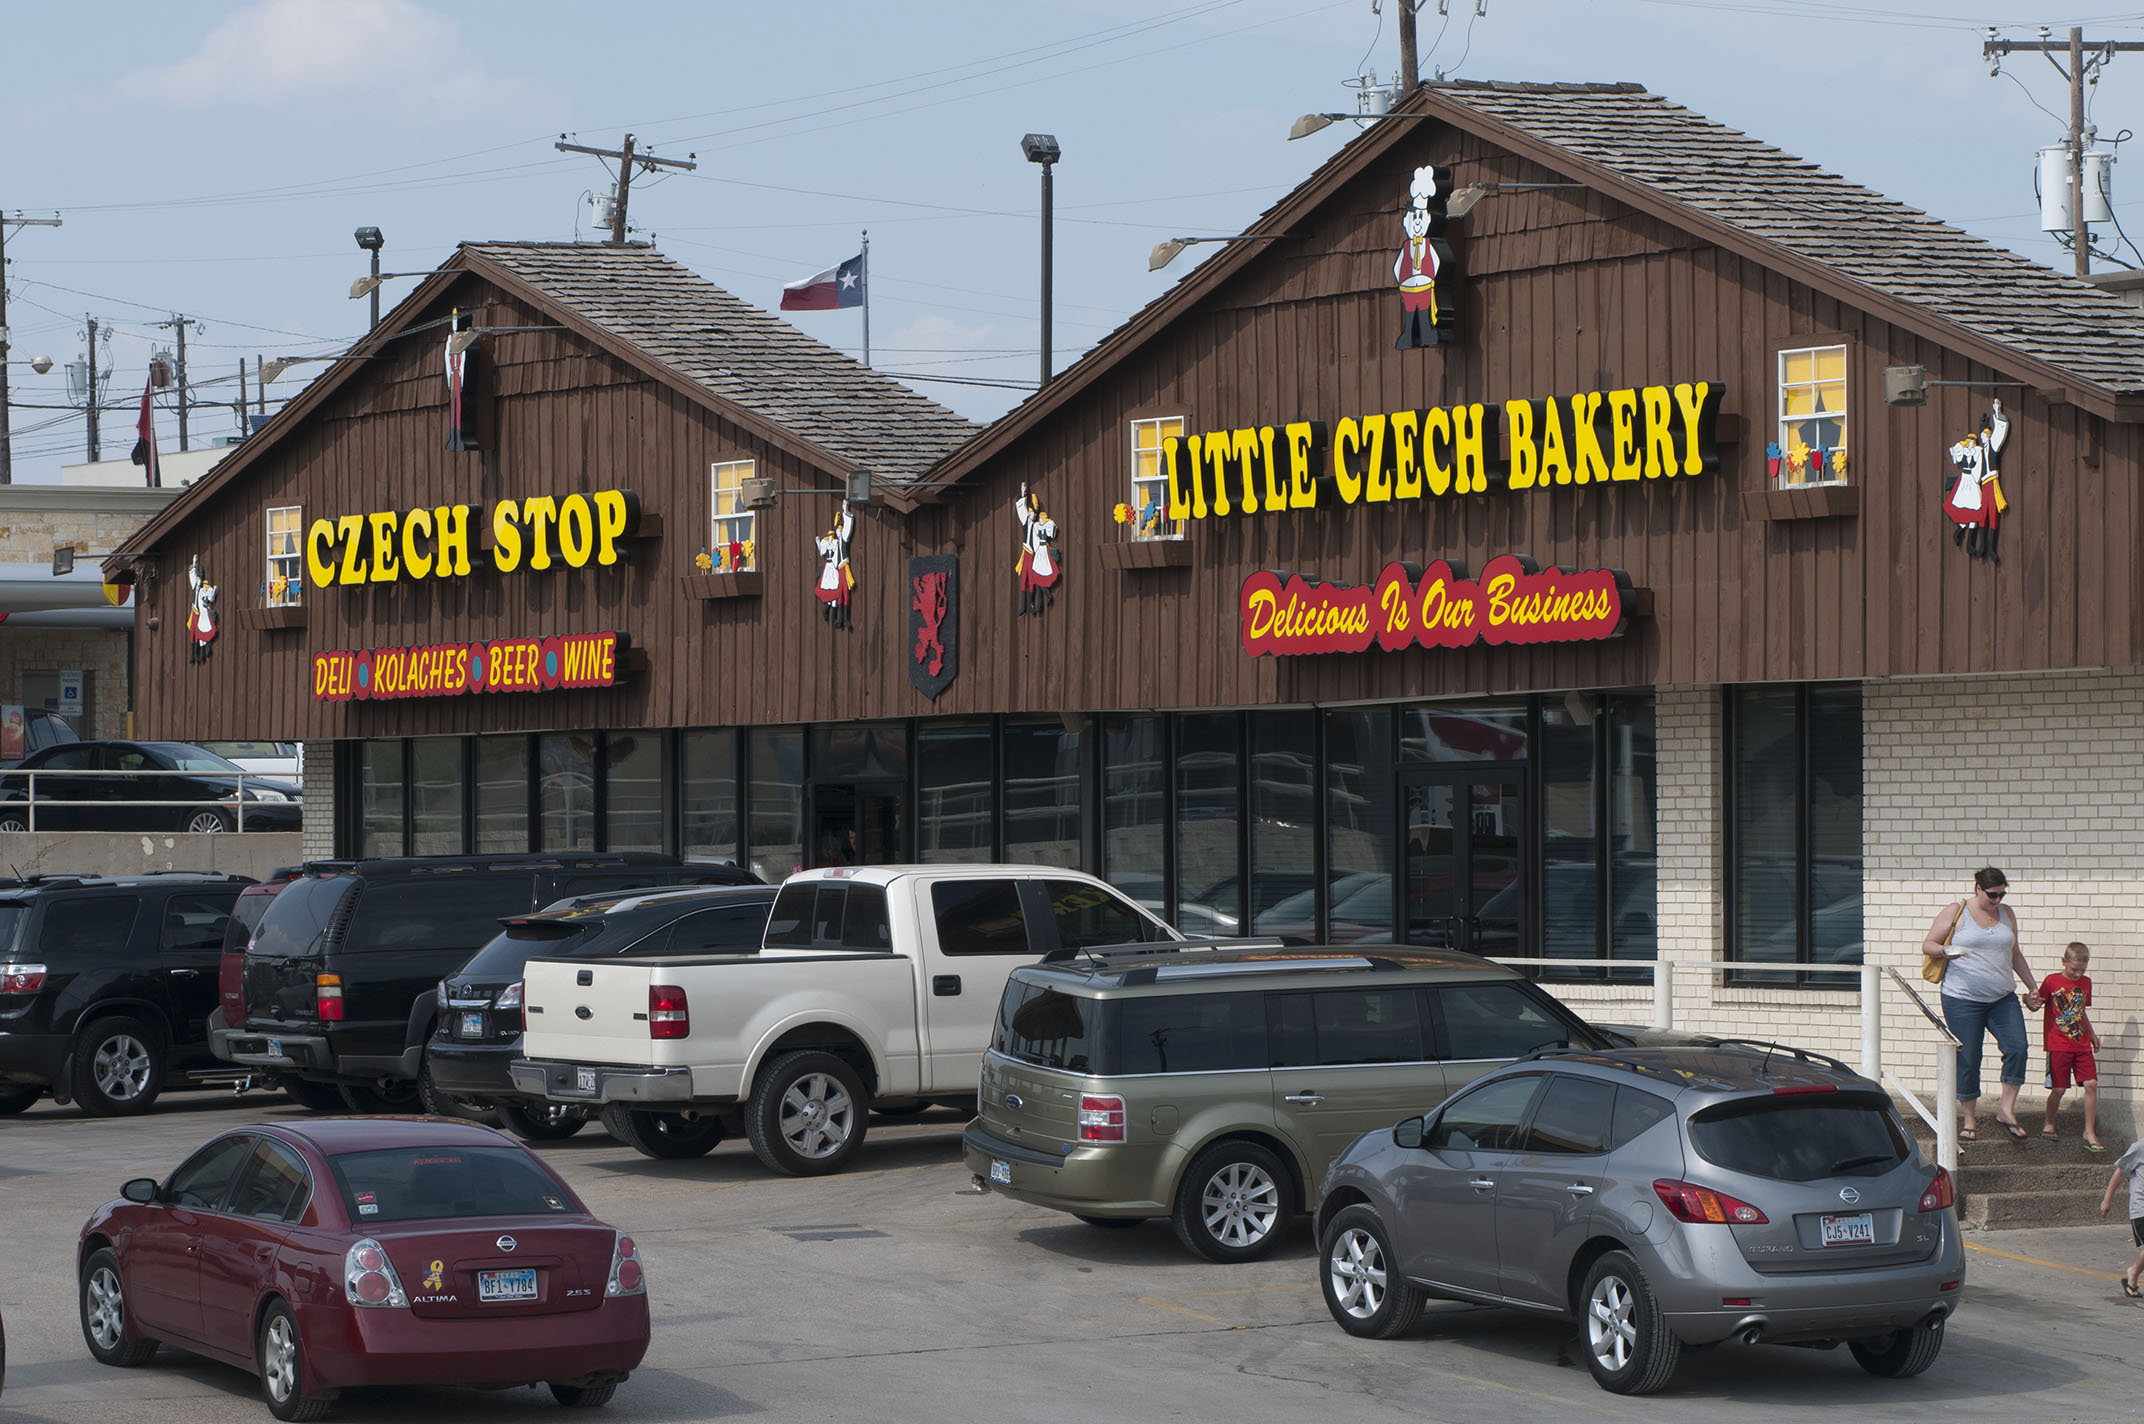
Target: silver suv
(1664, 1197)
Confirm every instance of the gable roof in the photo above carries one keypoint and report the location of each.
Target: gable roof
(2064, 336)
(747, 365)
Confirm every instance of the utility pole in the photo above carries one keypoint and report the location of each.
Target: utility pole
(2080, 69)
(179, 324)
(7, 447)
(91, 409)
(1410, 64)
(627, 158)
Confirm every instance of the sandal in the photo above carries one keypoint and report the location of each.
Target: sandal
(1967, 1134)
(2095, 1147)
(2017, 1133)
(2129, 1288)
(2049, 1134)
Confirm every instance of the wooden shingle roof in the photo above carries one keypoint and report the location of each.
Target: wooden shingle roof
(737, 352)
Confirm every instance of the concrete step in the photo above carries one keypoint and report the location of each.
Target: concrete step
(1976, 1176)
(1986, 1211)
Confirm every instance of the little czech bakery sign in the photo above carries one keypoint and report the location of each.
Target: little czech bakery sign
(1512, 602)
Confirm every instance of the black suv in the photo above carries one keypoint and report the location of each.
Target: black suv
(106, 985)
(479, 1033)
(341, 975)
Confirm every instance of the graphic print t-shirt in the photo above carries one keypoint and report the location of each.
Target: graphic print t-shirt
(2062, 1015)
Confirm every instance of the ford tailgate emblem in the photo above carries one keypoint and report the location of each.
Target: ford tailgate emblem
(582, 1012)
(1849, 1195)
(1015, 1101)
(506, 1243)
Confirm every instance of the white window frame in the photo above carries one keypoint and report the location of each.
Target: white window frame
(730, 522)
(292, 559)
(1786, 423)
(1155, 481)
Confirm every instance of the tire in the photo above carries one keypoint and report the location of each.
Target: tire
(400, 1096)
(1233, 1203)
(584, 1396)
(315, 1097)
(541, 1122)
(280, 1357)
(1628, 1346)
(666, 1136)
(19, 1098)
(1901, 1354)
(14, 821)
(100, 1296)
(1364, 1290)
(1110, 1223)
(437, 1104)
(206, 823)
(118, 1067)
(807, 1114)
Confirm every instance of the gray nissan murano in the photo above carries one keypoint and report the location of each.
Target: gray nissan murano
(1661, 1196)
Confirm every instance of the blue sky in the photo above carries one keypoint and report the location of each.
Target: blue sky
(214, 158)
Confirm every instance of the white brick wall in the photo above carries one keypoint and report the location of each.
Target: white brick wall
(319, 824)
(2042, 775)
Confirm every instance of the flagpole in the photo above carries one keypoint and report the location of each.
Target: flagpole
(863, 277)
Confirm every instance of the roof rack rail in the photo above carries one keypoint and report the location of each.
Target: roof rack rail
(1803, 1055)
(1102, 954)
(1681, 1077)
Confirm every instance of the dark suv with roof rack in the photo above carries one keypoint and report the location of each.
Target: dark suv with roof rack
(1213, 1085)
(1662, 1196)
(106, 985)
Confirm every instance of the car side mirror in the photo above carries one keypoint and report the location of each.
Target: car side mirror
(1408, 1133)
(141, 1189)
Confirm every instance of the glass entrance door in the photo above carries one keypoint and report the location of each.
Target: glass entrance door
(1463, 872)
(858, 823)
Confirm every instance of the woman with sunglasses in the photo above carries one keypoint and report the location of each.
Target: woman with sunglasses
(1978, 941)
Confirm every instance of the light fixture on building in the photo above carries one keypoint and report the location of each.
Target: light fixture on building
(1908, 385)
(859, 491)
(1166, 252)
(461, 341)
(757, 492)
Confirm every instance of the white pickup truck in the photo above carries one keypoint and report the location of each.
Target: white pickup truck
(876, 990)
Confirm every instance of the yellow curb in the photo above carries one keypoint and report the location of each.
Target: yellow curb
(2036, 1261)
(1186, 1310)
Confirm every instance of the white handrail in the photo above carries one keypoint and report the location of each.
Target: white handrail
(31, 800)
(1944, 1121)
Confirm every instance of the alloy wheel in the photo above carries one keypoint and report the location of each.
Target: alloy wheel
(107, 1309)
(279, 1359)
(1240, 1204)
(1358, 1273)
(121, 1067)
(817, 1115)
(1610, 1332)
(205, 822)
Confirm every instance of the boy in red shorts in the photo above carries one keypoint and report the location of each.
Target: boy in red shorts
(2071, 1041)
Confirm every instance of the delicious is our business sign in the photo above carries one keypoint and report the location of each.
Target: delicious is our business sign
(1437, 607)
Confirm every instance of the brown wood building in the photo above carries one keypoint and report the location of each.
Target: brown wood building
(1711, 774)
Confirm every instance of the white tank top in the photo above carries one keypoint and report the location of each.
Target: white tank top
(1981, 972)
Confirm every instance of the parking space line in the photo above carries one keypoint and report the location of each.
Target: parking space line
(2036, 1261)
(1160, 1304)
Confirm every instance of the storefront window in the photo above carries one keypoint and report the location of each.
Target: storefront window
(1794, 812)
(1150, 479)
(633, 791)
(1634, 857)
(1134, 761)
(1811, 448)
(1569, 898)
(1284, 820)
(860, 751)
(1359, 824)
(954, 821)
(707, 790)
(1042, 800)
(435, 780)
(776, 756)
(379, 798)
(1463, 731)
(731, 549)
(566, 791)
(502, 795)
(1209, 811)
(285, 584)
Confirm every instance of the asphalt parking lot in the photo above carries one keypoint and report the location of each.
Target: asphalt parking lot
(895, 1293)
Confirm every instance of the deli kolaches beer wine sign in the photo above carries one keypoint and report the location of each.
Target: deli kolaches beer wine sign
(571, 660)
(1286, 615)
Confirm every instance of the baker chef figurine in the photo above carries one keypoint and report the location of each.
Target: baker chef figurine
(1420, 259)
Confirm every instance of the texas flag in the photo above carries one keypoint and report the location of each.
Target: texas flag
(841, 286)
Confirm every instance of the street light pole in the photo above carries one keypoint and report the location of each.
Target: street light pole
(7, 448)
(370, 240)
(1043, 149)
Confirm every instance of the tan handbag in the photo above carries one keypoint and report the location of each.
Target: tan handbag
(1933, 970)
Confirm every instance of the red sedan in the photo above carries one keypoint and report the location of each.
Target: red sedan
(366, 1251)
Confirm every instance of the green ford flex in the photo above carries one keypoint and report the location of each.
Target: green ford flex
(1213, 1086)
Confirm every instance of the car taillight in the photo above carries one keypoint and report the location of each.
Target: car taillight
(668, 1014)
(510, 998)
(625, 1277)
(327, 994)
(1101, 1118)
(1687, 1201)
(21, 978)
(1942, 1192)
(368, 1277)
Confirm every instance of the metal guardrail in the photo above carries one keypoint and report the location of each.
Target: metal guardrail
(1868, 979)
(30, 801)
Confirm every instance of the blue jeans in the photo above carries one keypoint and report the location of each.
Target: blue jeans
(1970, 1020)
